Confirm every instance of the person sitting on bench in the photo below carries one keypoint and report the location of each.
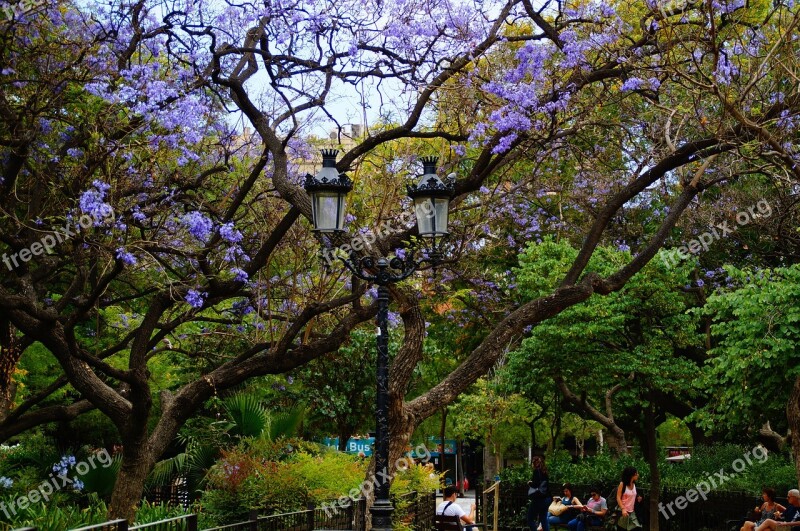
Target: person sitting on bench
(449, 507)
(791, 517)
(592, 513)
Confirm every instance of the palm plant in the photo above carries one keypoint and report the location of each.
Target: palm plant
(247, 418)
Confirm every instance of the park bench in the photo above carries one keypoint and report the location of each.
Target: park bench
(752, 515)
(453, 523)
(605, 520)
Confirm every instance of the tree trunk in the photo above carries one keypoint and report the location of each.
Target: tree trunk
(651, 449)
(9, 356)
(344, 434)
(772, 440)
(442, 428)
(793, 415)
(616, 435)
(137, 461)
(490, 464)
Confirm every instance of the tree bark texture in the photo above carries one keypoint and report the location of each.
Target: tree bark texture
(793, 415)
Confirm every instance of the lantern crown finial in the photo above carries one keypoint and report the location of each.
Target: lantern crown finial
(429, 164)
(329, 157)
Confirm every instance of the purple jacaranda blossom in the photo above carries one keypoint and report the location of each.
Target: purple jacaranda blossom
(92, 202)
(125, 257)
(725, 71)
(196, 298)
(234, 253)
(198, 225)
(632, 83)
(240, 275)
(229, 233)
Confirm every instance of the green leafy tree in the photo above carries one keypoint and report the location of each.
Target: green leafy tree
(501, 419)
(754, 370)
(340, 388)
(625, 360)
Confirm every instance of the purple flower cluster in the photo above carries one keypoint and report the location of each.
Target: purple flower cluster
(92, 202)
(198, 225)
(229, 233)
(195, 298)
(125, 257)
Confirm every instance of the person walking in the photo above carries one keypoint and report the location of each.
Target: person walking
(539, 495)
(627, 498)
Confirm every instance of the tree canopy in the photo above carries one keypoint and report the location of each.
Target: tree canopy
(158, 253)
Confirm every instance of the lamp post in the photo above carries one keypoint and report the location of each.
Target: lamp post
(431, 196)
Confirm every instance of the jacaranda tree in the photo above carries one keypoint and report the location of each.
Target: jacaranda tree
(161, 254)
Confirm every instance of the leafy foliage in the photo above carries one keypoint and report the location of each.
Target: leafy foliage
(276, 477)
(756, 357)
(603, 470)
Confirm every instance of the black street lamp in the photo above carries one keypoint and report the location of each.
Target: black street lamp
(431, 204)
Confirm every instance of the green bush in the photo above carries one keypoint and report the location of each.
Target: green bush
(417, 478)
(601, 470)
(153, 512)
(278, 477)
(57, 517)
(776, 471)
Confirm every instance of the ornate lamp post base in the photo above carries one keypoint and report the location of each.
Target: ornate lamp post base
(382, 515)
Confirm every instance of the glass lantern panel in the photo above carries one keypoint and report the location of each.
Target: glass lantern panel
(441, 206)
(426, 214)
(328, 211)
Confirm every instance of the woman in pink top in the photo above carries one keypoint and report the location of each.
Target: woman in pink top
(626, 499)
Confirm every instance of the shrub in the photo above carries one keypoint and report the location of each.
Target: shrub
(415, 478)
(775, 471)
(57, 517)
(278, 477)
(603, 470)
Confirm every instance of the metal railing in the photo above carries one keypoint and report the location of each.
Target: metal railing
(187, 522)
(349, 515)
(112, 525)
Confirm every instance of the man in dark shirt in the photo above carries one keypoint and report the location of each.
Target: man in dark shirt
(791, 517)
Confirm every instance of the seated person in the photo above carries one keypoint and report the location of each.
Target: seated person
(591, 514)
(449, 507)
(568, 500)
(791, 517)
(766, 510)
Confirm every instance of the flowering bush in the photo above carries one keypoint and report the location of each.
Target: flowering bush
(276, 477)
(63, 468)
